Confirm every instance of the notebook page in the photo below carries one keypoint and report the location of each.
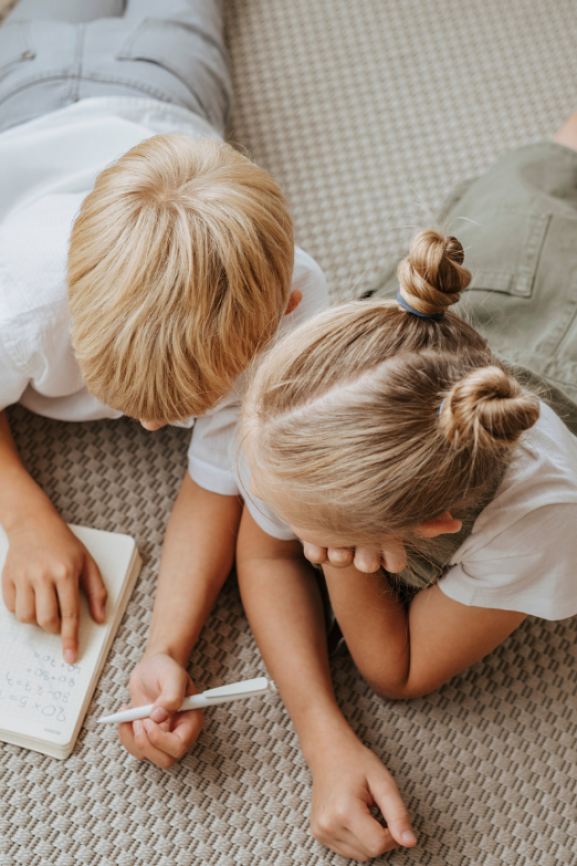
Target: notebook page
(40, 695)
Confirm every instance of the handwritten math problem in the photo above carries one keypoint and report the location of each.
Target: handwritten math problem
(43, 699)
(44, 686)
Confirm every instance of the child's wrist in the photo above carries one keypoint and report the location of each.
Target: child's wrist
(328, 735)
(32, 509)
(178, 654)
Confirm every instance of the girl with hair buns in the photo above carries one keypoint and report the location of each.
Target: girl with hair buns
(386, 435)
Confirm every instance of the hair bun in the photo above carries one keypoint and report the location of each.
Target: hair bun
(487, 409)
(432, 276)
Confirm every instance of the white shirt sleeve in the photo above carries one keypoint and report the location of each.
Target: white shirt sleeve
(530, 567)
(259, 510)
(218, 464)
(12, 383)
(209, 454)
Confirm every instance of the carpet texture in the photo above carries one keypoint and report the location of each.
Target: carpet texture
(367, 112)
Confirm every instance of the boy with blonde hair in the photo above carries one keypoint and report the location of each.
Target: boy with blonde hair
(143, 264)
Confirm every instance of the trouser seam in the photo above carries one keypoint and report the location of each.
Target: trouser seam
(76, 70)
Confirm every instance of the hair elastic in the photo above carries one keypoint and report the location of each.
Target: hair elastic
(442, 406)
(406, 306)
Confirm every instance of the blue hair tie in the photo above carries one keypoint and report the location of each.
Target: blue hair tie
(434, 316)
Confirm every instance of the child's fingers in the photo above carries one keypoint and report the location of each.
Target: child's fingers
(156, 745)
(69, 603)
(177, 742)
(394, 557)
(367, 850)
(314, 554)
(354, 833)
(47, 614)
(25, 604)
(351, 852)
(340, 557)
(176, 684)
(367, 561)
(366, 833)
(126, 737)
(149, 750)
(8, 593)
(95, 590)
(388, 798)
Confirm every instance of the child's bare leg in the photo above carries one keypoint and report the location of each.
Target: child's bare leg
(567, 135)
(282, 602)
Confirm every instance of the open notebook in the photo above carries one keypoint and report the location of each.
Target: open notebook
(43, 700)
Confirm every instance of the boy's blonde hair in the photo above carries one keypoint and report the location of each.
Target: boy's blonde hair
(369, 421)
(179, 271)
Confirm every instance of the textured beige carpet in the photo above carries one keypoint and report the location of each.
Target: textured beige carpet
(367, 111)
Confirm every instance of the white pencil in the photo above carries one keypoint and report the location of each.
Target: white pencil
(221, 695)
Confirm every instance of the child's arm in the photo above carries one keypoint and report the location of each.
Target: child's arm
(405, 653)
(45, 561)
(282, 602)
(196, 559)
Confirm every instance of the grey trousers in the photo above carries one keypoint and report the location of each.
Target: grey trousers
(56, 52)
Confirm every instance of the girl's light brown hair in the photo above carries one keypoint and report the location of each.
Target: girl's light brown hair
(368, 420)
(179, 271)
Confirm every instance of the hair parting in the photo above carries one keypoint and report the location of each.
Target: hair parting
(369, 421)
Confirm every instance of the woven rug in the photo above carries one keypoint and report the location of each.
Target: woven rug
(367, 111)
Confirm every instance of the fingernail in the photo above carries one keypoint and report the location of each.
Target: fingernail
(409, 837)
(159, 715)
(137, 727)
(69, 656)
(148, 725)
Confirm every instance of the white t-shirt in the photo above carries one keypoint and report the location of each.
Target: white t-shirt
(47, 167)
(522, 552)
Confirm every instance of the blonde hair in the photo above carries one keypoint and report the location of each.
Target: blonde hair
(179, 271)
(369, 421)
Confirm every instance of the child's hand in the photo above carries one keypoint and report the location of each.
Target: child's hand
(392, 558)
(348, 779)
(167, 735)
(43, 568)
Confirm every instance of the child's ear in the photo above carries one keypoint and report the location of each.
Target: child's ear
(296, 297)
(445, 524)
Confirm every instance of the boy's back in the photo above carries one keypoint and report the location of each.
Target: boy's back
(170, 275)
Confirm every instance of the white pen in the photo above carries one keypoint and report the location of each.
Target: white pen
(221, 695)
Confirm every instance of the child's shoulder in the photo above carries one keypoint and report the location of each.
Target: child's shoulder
(34, 319)
(308, 278)
(546, 461)
(543, 473)
(33, 259)
(521, 553)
